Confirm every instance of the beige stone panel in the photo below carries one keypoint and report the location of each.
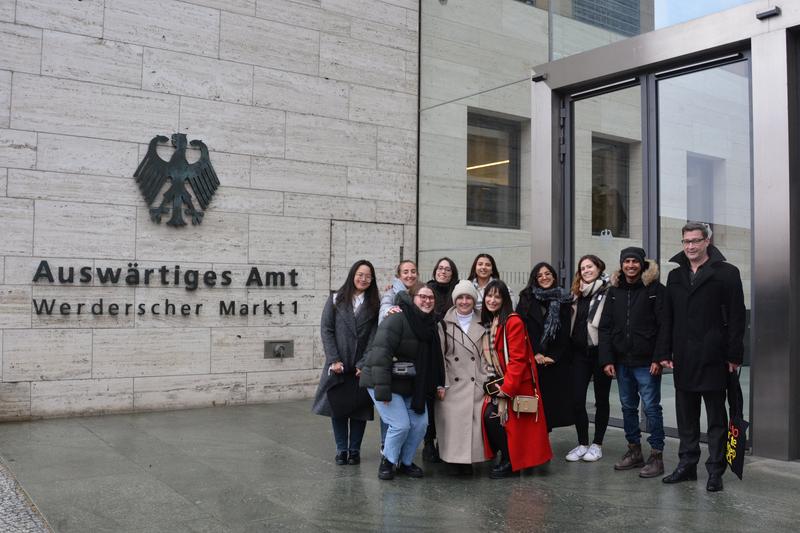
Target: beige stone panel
(379, 243)
(83, 155)
(249, 201)
(7, 10)
(66, 229)
(512, 100)
(304, 16)
(299, 307)
(410, 242)
(300, 93)
(396, 212)
(242, 349)
(476, 14)
(386, 108)
(381, 185)
(449, 120)
(2, 277)
(15, 306)
(233, 170)
(81, 397)
(179, 392)
(404, 37)
(85, 17)
(5, 97)
(172, 25)
(150, 352)
(15, 401)
(76, 108)
(269, 44)
(443, 158)
(449, 29)
(40, 355)
(521, 22)
(412, 73)
(346, 59)
(411, 5)
(81, 301)
(279, 386)
(20, 48)
(65, 55)
(18, 148)
(220, 237)
(185, 74)
(375, 10)
(397, 150)
(234, 128)
(446, 80)
(21, 270)
(245, 7)
(306, 277)
(16, 219)
(329, 207)
(297, 241)
(297, 176)
(181, 308)
(328, 140)
(73, 188)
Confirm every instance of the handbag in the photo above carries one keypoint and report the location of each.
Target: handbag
(492, 385)
(404, 369)
(522, 403)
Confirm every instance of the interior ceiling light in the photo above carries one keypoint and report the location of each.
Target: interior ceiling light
(504, 162)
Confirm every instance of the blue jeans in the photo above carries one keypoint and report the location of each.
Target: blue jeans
(635, 382)
(348, 439)
(406, 428)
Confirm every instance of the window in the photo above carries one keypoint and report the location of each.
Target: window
(492, 171)
(610, 198)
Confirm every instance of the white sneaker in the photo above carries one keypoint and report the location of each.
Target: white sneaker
(593, 454)
(576, 453)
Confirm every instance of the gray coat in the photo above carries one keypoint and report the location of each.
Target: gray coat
(345, 337)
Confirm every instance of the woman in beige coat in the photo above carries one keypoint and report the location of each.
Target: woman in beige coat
(459, 413)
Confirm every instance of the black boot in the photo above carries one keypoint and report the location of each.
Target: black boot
(501, 470)
(341, 458)
(385, 469)
(430, 453)
(354, 458)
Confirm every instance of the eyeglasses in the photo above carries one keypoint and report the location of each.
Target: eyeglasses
(426, 298)
(443, 269)
(365, 277)
(687, 242)
(545, 274)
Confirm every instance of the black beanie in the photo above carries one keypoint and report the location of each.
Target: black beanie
(633, 253)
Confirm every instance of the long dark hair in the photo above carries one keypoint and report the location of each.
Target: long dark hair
(533, 283)
(453, 268)
(372, 299)
(506, 309)
(576, 281)
(495, 274)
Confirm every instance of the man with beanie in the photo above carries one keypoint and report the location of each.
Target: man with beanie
(629, 332)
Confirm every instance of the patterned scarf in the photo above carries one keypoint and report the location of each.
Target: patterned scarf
(554, 298)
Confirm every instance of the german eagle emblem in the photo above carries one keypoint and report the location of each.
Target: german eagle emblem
(153, 172)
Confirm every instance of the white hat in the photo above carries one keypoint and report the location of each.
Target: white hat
(465, 286)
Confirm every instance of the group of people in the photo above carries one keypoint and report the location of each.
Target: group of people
(456, 364)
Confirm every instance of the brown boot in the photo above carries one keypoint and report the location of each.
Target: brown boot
(654, 466)
(632, 458)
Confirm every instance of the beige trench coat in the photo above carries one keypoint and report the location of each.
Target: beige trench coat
(459, 415)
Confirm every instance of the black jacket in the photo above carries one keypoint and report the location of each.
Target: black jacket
(533, 314)
(632, 319)
(705, 322)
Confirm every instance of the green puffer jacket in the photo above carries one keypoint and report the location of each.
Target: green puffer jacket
(394, 341)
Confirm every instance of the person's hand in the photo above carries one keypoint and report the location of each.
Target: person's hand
(337, 367)
(540, 359)
(609, 370)
(655, 369)
(440, 392)
(358, 372)
(394, 309)
(549, 361)
(733, 367)
(666, 363)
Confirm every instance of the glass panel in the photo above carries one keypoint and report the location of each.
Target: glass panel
(705, 174)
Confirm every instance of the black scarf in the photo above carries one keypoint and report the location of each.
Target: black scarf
(443, 293)
(430, 364)
(552, 321)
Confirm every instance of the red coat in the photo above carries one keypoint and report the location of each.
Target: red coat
(528, 441)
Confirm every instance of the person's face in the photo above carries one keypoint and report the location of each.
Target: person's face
(493, 301)
(545, 278)
(425, 300)
(631, 268)
(695, 246)
(483, 268)
(589, 271)
(408, 274)
(362, 278)
(465, 304)
(443, 272)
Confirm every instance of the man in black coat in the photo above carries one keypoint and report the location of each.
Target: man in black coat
(705, 317)
(629, 333)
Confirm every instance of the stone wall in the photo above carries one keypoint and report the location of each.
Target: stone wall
(309, 109)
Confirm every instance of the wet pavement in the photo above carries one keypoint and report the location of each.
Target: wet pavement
(270, 467)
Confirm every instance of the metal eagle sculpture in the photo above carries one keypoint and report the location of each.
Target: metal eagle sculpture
(153, 172)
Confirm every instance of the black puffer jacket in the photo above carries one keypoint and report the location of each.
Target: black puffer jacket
(632, 318)
(395, 341)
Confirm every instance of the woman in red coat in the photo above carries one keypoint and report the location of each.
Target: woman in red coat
(521, 438)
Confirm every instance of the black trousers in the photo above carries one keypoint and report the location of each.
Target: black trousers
(495, 432)
(430, 433)
(585, 367)
(687, 406)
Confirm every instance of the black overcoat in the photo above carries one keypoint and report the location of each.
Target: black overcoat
(706, 322)
(345, 337)
(555, 381)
